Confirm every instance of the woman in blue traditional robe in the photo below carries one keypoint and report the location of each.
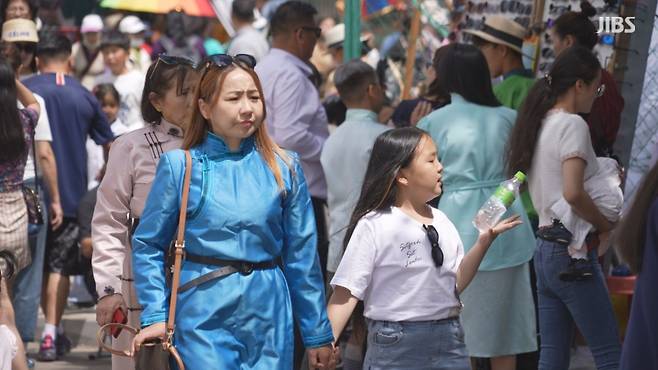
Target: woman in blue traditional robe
(248, 203)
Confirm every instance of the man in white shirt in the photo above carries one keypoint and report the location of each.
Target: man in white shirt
(128, 81)
(346, 153)
(247, 40)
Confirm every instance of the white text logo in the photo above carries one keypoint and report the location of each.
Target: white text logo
(616, 25)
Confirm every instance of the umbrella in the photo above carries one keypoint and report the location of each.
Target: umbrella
(199, 8)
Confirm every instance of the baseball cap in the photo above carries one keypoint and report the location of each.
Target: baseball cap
(91, 23)
(131, 25)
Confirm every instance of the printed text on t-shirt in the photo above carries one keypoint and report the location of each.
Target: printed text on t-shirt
(409, 249)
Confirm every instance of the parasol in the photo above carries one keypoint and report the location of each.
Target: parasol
(199, 8)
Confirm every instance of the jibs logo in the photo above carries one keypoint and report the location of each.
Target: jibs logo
(616, 25)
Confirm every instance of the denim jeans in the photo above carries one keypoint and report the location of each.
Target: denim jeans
(416, 345)
(27, 286)
(562, 303)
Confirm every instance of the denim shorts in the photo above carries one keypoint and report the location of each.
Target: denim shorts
(416, 345)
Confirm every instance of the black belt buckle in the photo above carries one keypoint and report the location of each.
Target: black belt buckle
(246, 268)
(556, 233)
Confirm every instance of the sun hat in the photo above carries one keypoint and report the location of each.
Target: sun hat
(20, 30)
(501, 30)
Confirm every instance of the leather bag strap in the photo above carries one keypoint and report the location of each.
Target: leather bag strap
(179, 247)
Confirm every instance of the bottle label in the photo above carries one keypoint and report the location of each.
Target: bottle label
(505, 196)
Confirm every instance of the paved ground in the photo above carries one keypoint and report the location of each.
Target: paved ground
(80, 326)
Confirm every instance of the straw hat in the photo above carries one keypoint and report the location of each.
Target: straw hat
(336, 35)
(501, 30)
(20, 30)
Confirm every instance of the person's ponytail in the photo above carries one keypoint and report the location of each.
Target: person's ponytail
(573, 64)
(524, 135)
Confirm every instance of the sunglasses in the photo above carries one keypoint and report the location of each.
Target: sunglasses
(172, 60)
(225, 60)
(433, 236)
(600, 91)
(316, 30)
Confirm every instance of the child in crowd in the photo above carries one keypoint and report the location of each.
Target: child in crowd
(604, 188)
(405, 260)
(110, 101)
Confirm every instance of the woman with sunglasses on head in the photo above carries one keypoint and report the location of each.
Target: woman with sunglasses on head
(576, 28)
(167, 102)
(249, 214)
(551, 141)
(405, 260)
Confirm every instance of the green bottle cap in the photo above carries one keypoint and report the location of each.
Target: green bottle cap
(505, 196)
(520, 176)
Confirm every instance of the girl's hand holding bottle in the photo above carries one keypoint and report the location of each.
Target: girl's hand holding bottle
(507, 224)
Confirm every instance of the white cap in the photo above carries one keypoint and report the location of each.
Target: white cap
(131, 25)
(336, 35)
(91, 23)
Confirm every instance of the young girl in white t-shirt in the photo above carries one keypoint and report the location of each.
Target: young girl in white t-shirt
(405, 261)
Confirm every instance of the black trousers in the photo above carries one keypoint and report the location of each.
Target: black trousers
(319, 205)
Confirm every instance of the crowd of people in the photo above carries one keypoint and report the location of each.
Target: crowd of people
(324, 217)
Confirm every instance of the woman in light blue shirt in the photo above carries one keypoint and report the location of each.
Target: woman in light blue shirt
(470, 134)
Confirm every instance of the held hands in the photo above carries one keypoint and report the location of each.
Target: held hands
(153, 331)
(106, 307)
(503, 226)
(322, 357)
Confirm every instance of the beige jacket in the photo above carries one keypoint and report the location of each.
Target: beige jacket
(121, 196)
(80, 62)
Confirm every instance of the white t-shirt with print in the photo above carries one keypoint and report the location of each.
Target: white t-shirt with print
(388, 265)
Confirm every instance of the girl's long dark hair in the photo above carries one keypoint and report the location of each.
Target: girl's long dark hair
(462, 69)
(392, 151)
(630, 237)
(573, 64)
(435, 89)
(12, 139)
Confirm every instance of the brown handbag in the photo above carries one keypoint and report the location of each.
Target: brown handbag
(34, 211)
(156, 354)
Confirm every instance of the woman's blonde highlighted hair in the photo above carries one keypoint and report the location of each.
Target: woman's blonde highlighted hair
(208, 90)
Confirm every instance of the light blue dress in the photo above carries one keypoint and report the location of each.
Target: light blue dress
(498, 315)
(235, 212)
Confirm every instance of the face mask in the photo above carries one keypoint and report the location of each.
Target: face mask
(89, 45)
(136, 43)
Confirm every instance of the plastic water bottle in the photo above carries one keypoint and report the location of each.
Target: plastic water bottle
(496, 206)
